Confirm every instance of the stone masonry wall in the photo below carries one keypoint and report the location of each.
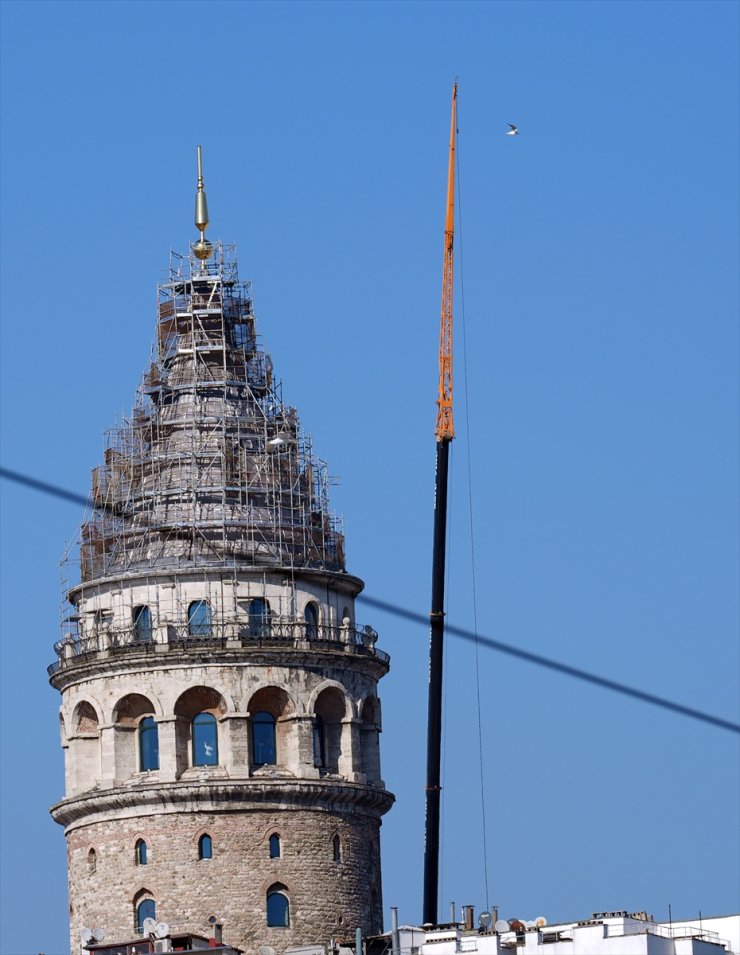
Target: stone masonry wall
(328, 898)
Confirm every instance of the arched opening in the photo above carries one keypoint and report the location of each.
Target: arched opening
(311, 616)
(278, 906)
(259, 617)
(270, 710)
(205, 847)
(336, 848)
(329, 711)
(369, 746)
(205, 740)
(84, 747)
(274, 846)
(142, 620)
(144, 908)
(141, 852)
(148, 745)
(135, 736)
(199, 619)
(346, 617)
(92, 861)
(196, 738)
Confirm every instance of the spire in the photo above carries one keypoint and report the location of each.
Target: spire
(202, 249)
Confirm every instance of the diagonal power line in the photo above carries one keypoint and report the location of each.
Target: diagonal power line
(594, 679)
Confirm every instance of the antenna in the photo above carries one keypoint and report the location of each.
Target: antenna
(99, 934)
(540, 921)
(162, 930)
(501, 926)
(86, 936)
(149, 926)
(484, 920)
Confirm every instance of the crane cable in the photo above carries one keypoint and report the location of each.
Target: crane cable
(472, 526)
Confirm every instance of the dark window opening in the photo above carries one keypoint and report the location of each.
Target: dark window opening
(278, 909)
(199, 619)
(141, 852)
(311, 615)
(148, 745)
(319, 742)
(274, 846)
(205, 847)
(146, 909)
(259, 617)
(205, 740)
(336, 848)
(264, 751)
(142, 624)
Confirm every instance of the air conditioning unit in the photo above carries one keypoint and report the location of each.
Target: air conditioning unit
(162, 945)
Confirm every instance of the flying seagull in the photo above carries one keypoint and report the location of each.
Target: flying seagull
(512, 130)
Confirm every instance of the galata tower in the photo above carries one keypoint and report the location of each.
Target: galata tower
(220, 714)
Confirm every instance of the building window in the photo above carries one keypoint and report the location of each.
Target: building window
(148, 745)
(142, 624)
(205, 847)
(264, 751)
(319, 742)
(92, 861)
(311, 616)
(336, 848)
(205, 740)
(259, 617)
(274, 846)
(146, 909)
(141, 852)
(199, 619)
(278, 907)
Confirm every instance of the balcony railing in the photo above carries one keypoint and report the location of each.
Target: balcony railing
(223, 635)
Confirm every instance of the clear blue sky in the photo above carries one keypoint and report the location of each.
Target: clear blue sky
(600, 259)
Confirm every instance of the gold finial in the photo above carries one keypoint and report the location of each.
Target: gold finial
(202, 249)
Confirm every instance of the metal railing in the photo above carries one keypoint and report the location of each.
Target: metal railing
(274, 634)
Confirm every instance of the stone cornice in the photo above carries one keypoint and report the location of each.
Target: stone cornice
(220, 796)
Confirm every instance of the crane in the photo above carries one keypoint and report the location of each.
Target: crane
(445, 432)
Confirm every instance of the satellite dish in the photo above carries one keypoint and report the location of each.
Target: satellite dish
(484, 919)
(501, 925)
(99, 934)
(162, 930)
(86, 936)
(516, 925)
(540, 921)
(149, 926)
(529, 923)
(212, 920)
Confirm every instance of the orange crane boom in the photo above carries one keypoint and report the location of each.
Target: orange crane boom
(445, 429)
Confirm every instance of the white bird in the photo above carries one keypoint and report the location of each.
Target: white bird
(208, 748)
(512, 130)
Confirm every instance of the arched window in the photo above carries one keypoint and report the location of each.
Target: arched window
(148, 745)
(336, 848)
(278, 906)
(319, 742)
(205, 740)
(199, 619)
(141, 852)
(264, 752)
(205, 847)
(92, 861)
(311, 615)
(146, 909)
(274, 846)
(142, 624)
(259, 617)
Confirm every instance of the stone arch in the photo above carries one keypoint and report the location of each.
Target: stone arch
(138, 901)
(277, 898)
(369, 740)
(192, 702)
(84, 746)
(128, 712)
(351, 708)
(91, 860)
(280, 704)
(330, 707)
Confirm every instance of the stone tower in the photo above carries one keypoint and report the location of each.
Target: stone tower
(219, 713)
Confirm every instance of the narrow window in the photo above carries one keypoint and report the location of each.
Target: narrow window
(92, 861)
(199, 619)
(263, 739)
(336, 848)
(319, 742)
(259, 618)
(274, 846)
(142, 624)
(205, 740)
(141, 852)
(205, 847)
(146, 909)
(311, 615)
(148, 745)
(278, 907)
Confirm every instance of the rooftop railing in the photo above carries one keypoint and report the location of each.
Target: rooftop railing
(74, 650)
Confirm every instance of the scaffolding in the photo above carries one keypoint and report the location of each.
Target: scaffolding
(211, 468)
